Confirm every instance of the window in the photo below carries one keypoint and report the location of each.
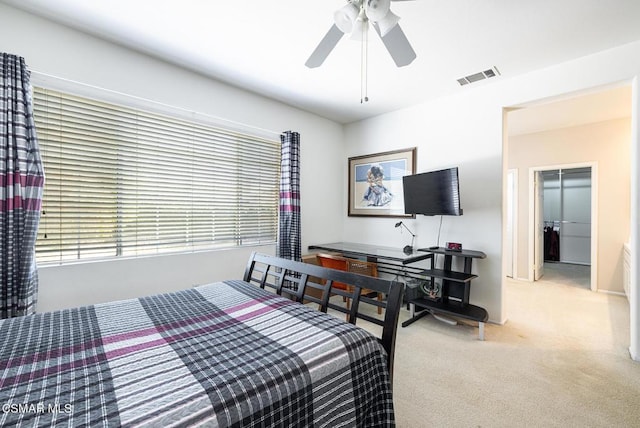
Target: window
(125, 182)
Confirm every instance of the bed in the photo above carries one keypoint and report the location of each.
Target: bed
(250, 352)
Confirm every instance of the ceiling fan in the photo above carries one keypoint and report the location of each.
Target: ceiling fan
(354, 19)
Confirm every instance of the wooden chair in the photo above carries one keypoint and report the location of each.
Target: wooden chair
(337, 262)
(365, 268)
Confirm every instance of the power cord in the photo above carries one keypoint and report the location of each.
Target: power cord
(439, 230)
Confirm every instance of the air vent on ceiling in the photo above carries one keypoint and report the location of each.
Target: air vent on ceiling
(492, 72)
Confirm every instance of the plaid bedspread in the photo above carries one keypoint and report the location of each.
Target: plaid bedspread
(224, 354)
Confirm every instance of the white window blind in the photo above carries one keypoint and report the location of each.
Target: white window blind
(125, 182)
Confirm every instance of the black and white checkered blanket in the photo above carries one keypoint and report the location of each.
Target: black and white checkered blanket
(224, 354)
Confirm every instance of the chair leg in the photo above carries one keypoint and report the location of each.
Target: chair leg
(349, 290)
(379, 300)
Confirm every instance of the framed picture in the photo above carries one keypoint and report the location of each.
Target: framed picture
(375, 183)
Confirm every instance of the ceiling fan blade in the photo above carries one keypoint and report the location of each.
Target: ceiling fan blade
(398, 46)
(322, 51)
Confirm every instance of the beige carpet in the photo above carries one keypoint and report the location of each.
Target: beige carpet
(560, 361)
(567, 273)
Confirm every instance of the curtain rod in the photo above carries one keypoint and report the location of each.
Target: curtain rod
(157, 103)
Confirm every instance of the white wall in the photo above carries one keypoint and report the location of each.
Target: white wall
(55, 50)
(455, 131)
(634, 238)
(466, 130)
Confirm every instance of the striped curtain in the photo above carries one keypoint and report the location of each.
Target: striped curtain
(289, 242)
(21, 179)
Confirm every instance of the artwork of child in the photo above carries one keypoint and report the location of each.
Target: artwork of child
(376, 195)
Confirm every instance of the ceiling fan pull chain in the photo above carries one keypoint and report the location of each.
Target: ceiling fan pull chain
(362, 69)
(364, 62)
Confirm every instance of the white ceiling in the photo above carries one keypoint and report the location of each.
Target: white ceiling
(262, 45)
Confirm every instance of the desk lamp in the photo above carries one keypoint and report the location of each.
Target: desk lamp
(408, 249)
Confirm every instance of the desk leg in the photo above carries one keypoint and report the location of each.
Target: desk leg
(414, 317)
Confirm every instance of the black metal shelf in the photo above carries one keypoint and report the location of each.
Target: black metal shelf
(456, 288)
(449, 275)
(462, 253)
(470, 312)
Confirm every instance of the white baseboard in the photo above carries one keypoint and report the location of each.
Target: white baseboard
(615, 293)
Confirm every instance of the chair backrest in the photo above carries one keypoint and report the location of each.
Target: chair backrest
(362, 267)
(333, 261)
(275, 273)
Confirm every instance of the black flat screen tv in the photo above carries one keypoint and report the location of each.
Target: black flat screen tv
(432, 193)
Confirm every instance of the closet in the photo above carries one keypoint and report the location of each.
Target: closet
(567, 215)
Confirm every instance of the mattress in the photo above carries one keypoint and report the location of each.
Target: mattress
(222, 354)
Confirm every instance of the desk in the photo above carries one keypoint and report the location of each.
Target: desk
(389, 259)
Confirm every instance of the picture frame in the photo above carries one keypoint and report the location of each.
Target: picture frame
(375, 183)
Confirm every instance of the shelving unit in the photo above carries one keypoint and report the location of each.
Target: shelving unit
(456, 288)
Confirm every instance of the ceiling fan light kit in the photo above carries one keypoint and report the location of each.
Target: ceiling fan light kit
(387, 23)
(377, 9)
(346, 16)
(356, 14)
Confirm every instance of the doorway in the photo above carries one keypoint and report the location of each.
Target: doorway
(566, 226)
(564, 217)
(528, 141)
(564, 134)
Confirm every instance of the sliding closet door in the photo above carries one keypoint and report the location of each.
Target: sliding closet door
(575, 230)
